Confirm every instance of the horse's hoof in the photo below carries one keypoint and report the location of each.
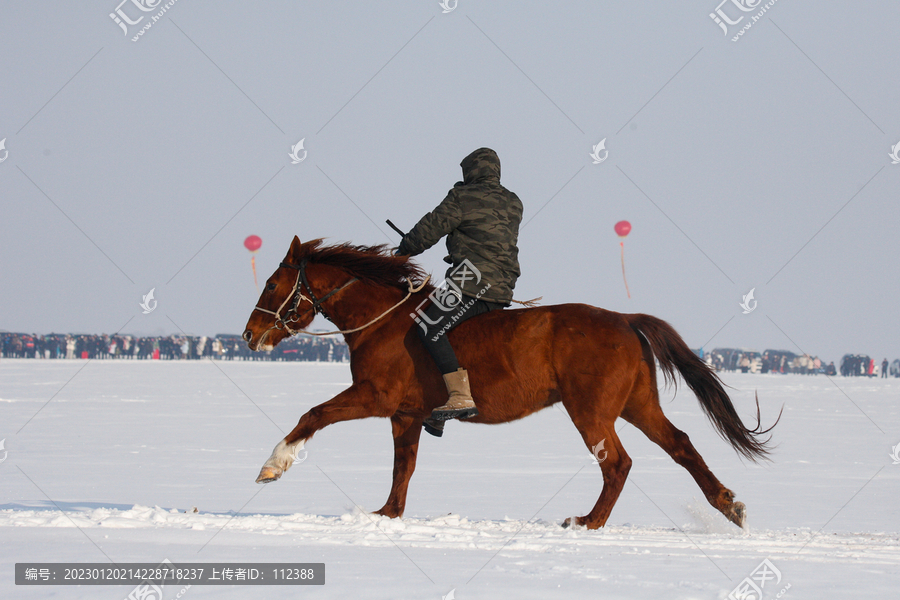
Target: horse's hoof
(572, 522)
(738, 514)
(268, 474)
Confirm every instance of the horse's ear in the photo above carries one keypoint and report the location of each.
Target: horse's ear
(295, 246)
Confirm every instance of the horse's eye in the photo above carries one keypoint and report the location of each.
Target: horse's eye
(271, 286)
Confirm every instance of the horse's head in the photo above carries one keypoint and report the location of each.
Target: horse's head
(312, 275)
(283, 305)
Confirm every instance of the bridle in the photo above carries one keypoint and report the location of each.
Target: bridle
(296, 295)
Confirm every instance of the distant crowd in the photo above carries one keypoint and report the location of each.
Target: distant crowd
(860, 365)
(784, 361)
(172, 347)
(330, 349)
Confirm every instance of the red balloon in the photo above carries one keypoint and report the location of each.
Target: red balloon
(253, 243)
(623, 228)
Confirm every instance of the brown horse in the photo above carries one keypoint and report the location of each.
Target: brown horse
(599, 364)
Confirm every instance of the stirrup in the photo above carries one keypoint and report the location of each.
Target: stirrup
(454, 413)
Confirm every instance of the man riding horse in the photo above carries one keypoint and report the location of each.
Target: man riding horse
(481, 220)
(598, 364)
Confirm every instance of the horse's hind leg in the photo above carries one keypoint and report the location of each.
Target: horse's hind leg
(643, 411)
(406, 432)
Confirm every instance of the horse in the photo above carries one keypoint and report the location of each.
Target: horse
(601, 365)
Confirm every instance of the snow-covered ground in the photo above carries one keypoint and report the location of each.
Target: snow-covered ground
(107, 468)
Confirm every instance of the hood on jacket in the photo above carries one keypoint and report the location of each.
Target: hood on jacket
(480, 165)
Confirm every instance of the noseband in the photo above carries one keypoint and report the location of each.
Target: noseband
(296, 296)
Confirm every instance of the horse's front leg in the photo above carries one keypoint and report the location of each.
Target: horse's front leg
(356, 402)
(406, 432)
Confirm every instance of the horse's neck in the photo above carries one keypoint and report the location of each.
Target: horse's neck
(361, 305)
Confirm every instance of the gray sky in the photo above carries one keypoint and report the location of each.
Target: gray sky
(761, 163)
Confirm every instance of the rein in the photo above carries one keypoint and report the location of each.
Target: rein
(297, 295)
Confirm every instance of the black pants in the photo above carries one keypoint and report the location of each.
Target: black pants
(440, 322)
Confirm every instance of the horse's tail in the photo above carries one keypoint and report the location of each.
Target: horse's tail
(673, 354)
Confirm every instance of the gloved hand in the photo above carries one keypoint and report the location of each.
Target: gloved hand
(403, 249)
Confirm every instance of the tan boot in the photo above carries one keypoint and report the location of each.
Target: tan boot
(460, 405)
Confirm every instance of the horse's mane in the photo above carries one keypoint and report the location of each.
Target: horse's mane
(370, 264)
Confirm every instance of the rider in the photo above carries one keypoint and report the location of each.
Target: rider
(481, 220)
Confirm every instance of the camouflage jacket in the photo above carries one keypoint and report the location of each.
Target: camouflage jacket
(481, 220)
